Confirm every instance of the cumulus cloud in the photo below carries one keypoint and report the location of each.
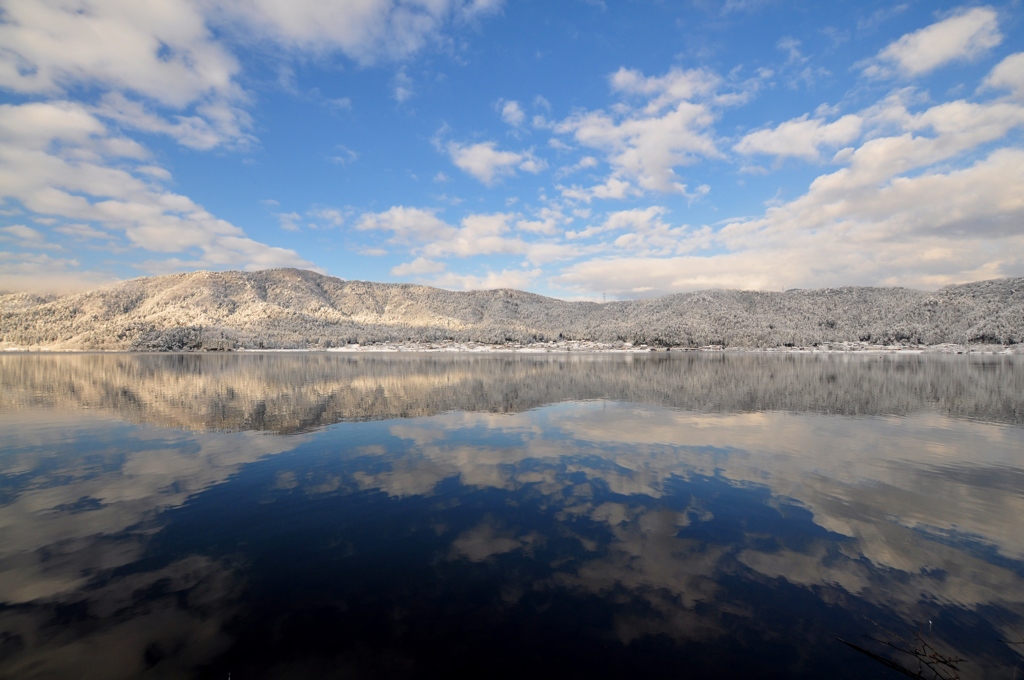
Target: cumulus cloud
(289, 221)
(677, 85)
(1008, 75)
(645, 144)
(330, 217)
(962, 37)
(367, 31)
(936, 134)
(167, 68)
(418, 267)
(478, 235)
(924, 200)
(637, 218)
(547, 220)
(488, 164)
(161, 53)
(165, 71)
(25, 234)
(801, 137)
(430, 238)
(644, 231)
(407, 225)
(898, 214)
(162, 50)
(612, 188)
(507, 278)
(83, 232)
(214, 124)
(42, 273)
(60, 161)
(512, 113)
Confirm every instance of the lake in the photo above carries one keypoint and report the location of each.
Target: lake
(318, 515)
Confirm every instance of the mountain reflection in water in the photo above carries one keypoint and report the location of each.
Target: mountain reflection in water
(181, 516)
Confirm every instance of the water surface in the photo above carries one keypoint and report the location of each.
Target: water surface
(316, 515)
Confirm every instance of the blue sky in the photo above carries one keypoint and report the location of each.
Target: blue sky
(577, 149)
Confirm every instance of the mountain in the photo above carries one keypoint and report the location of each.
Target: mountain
(290, 308)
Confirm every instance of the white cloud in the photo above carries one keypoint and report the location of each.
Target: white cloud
(797, 69)
(217, 123)
(644, 145)
(585, 163)
(675, 86)
(41, 273)
(403, 87)
(637, 218)
(923, 201)
(612, 188)
(331, 217)
(159, 52)
(289, 221)
(486, 163)
(25, 234)
(407, 225)
(962, 37)
(430, 238)
(791, 46)
(162, 50)
(935, 228)
(1008, 75)
(507, 278)
(800, 137)
(59, 161)
(340, 104)
(544, 252)
(27, 237)
(511, 113)
(418, 267)
(643, 231)
(166, 67)
(83, 232)
(163, 70)
(936, 134)
(478, 235)
(365, 30)
(547, 221)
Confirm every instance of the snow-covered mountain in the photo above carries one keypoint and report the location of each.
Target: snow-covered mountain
(290, 308)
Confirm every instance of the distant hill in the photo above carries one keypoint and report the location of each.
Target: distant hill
(290, 308)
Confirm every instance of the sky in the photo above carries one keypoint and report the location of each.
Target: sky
(582, 149)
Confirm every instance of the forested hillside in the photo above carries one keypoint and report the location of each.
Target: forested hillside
(289, 308)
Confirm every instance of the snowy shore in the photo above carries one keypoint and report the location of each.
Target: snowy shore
(580, 347)
(620, 347)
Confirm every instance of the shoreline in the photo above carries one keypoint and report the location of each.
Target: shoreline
(565, 347)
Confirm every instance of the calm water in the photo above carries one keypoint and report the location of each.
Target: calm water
(323, 516)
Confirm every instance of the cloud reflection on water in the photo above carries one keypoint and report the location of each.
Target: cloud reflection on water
(674, 518)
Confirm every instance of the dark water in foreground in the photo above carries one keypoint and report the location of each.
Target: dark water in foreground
(323, 516)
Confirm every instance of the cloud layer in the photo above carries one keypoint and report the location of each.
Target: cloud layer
(912, 178)
(93, 70)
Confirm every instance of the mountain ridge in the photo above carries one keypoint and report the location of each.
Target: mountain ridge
(301, 309)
